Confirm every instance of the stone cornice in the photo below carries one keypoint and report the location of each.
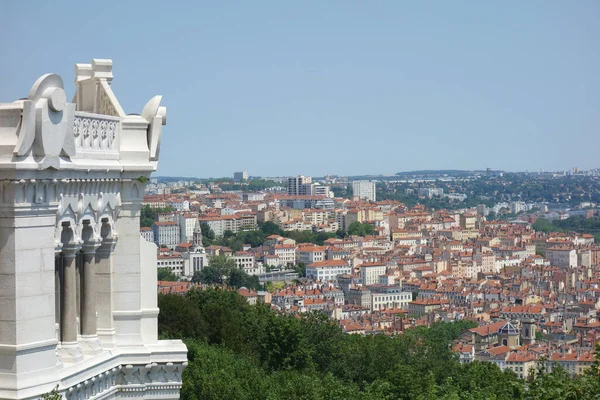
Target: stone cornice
(45, 133)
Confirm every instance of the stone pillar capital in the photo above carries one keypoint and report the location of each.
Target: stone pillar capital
(90, 247)
(71, 249)
(107, 246)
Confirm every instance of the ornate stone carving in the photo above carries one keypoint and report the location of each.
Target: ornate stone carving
(47, 129)
(106, 107)
(95, 133)
(156, 117)
(151, 379)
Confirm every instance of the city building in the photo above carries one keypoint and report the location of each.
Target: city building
(299, 186)
(370, 272)
(327, 270)
(186, 221)
(166, 234)
(364, 190)
(240, 176)
(79, 304)
(147, 233)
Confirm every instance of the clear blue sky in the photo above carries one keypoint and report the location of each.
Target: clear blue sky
(339, 87)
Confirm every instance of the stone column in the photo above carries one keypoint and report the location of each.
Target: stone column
(57, 289)
(127, 311)
(27, 272)
(104, 300)
(68, 318)
(89, 343)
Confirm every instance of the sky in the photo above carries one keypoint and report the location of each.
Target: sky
(282, 88)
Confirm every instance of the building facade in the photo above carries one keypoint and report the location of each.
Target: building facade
(80, 305)
(364, 190)
(299, 186)
(166, 234)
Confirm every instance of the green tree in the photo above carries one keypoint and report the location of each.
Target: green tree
(208, 236)
(270, 228)
(361, 229)
(165, 274)
(238, 278)
(300, 269)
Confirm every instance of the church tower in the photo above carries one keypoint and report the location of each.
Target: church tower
(197, 237)
(528, 331)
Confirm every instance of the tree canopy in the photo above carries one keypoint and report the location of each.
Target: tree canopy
(249, 352)
(361, 229)
(165, 274)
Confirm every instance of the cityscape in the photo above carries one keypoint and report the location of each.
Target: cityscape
(348, 200)
(379, 257)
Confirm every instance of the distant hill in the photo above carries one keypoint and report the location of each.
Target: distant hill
(442, 172)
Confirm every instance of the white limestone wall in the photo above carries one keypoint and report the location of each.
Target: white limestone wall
(126, 266)
(148, 257)
(27, 321)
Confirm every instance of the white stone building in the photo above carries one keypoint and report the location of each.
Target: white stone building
(79, 297)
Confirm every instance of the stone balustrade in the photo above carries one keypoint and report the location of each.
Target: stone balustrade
(96, 135)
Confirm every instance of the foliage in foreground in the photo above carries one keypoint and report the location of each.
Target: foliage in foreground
(238, 351)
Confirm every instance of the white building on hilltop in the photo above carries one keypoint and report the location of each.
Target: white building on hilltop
(78, 299)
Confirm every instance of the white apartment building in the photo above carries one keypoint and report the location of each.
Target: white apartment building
(286, 253)
(311, 254)
(327, 270)
(147, 234)
(430, 192)
(246, 262)
(563, 257)
(172, 261)
(364, 190)
(234, 223)
(179, 205)
(186, 222)
(380, 301)
(299, 185)
(320, 190)
(166, 234)
(370, 273)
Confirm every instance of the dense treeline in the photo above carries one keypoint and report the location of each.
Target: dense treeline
(573, 224)
(257, 237)
(239, 351)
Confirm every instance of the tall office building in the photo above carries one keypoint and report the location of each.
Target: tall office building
(240, 176)
(300, 185)
(364, 190)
